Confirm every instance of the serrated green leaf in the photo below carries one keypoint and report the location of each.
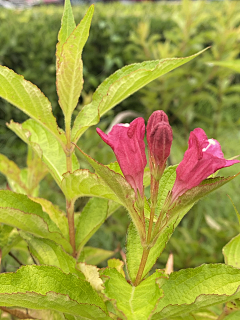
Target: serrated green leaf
(136, 303)
(67, 26)
(231, 252)
(83, 183)
(70, 67)
(45, 287)
(46, 147)
(121, 85)
(28, 98)
(91, 218)
(19, 211)
(49, 253)
(189, 290)
(9, 237)
(94, 256)
(56, 215)
(233, 65)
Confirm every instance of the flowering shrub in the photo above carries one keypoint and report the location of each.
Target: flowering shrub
(60, 284)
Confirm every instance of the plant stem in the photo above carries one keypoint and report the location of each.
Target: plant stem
(142, 266)
(68, 149)
(70, 216)
(15, 258)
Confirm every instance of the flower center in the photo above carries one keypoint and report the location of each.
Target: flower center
(210, 142)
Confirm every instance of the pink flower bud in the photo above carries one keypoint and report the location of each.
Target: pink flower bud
(127, 142)
(202, 158)
(159, 138)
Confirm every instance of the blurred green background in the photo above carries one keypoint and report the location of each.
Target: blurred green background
(197, 94)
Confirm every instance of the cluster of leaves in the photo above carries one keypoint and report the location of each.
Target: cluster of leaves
(59, 281)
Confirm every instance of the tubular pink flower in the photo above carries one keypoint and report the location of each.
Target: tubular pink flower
(203, 157)
(159, 138)
(127, 142)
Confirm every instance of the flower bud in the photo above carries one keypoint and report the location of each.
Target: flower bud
(159, 138)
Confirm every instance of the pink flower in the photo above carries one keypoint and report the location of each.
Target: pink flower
(159, 138)
(127, 142)
(203, 157)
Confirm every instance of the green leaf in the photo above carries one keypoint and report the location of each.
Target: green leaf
(11, 171)
(121, 85)
(19, 211)
(48, 252)
(94, 256)
(56, 215)
(45, 287)
(165, 185)
(67, 26)
(46, 147)
(91, 218)
(117, 264)
(192, 289)
(231, 252)
(233, 64)
(83, 183)
(29, 99)
(9, 237)
(136, 303)
(119, 186)
(70, 68)
(233, 316)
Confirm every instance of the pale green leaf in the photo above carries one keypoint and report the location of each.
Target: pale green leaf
(121, 85)
(91, 218)
(94, 256)
(9, 237)
(92, 275)
(117, 264)
(28, 98)
(46, 287)
(231, 252)
(189, 290)
(70, 67)
(233, 316)
(136, 303)
(232, 64)
(83, 183)
(49, 253)
(56, 215)
(11, 170)
(46, 147)
(67, 26)
(19, 211)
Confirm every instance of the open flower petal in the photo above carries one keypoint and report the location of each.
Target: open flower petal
(127, 142)
(203, 157)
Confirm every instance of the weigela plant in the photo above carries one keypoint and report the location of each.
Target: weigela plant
(61, 284)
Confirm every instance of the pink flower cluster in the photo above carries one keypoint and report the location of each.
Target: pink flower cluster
(202, 158)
